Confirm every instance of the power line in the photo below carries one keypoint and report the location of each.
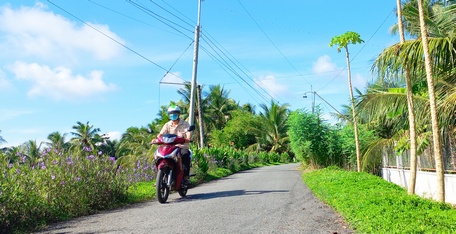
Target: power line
(237, 64)
(364, 45)
(113, 39)
(270, 40)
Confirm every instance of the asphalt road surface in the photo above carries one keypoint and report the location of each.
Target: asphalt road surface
(269, 199)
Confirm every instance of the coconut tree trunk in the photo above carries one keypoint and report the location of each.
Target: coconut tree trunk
(411, 110)
(432, 102)
(352, 100)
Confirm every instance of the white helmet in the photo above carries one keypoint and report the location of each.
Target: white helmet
(174, 109)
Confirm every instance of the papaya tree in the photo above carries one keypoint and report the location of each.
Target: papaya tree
(343, 41)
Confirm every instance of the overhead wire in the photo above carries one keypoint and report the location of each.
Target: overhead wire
(132, 18)
(175, 26)
(359, 51)
(222, 62)
(236, 62)
(150, 12)
(160, 18)
(272, 42)
(106, 35)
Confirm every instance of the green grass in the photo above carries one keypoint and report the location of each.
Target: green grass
(141, 191)
(372, 205)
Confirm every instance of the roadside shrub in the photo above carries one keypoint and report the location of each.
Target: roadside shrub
(59, 186)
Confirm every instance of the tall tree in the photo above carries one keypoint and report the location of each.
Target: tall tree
(85, 135)
(411, 109)
(433, 105)
(218, 106)
(57, 141)
(1, 139)
(343, 41)
(274, 117)
(32, 150)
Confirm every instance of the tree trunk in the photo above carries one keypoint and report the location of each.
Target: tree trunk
(355, 126)
(411, 111)
(439, 168)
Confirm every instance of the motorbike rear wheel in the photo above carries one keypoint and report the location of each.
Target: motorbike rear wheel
(162, 186)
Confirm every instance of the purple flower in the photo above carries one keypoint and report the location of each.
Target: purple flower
(112, 159)
(90, 157)
(78, 179)
(10, 165)
(69, 161)
(86, 148)
(52, 177)
(100, 153)
(62, 183)
(55, 162)
(24, 158)
(18, 171)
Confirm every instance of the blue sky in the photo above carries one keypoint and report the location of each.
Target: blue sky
(106, 61)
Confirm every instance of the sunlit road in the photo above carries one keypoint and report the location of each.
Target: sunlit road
(264, 200)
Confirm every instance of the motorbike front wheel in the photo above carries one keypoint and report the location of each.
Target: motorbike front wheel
(183, 190)
(162, 186)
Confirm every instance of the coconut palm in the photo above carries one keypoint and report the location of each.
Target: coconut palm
(57, 141)
(1, 139)
(218, 106)
(32, 150)
(440, 62)
(343, 41)
(433, 105)
(85, 135)
(273, 134)
(411, 109)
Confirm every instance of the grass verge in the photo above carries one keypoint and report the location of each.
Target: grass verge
(372, 205)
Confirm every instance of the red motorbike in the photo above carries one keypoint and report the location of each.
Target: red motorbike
(167, 160)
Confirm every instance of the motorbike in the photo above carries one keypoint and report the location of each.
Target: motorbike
(170, 169)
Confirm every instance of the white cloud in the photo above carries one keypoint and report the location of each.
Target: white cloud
(114, 135)
(323, 65)
(11, 114)
(4, 83)
(271, 85)
(59, 83)
(34, 31)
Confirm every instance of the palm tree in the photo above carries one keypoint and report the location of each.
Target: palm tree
(57, 141)
(1, 139)
(85, 135)
(408, 56)
(411, 110)
(274, 135)
(343, 41)
(218, 106)
(32, 150)
(433, 105)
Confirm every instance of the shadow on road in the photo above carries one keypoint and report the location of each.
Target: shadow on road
(232, 193)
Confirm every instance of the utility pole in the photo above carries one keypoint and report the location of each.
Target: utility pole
(200, 118)
(195, 68)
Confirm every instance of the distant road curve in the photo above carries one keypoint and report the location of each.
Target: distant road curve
(269, 199)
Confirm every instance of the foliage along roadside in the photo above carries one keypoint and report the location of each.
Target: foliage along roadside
(59, 186)
(372, 205)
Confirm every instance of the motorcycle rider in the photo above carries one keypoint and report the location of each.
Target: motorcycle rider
(178, 126)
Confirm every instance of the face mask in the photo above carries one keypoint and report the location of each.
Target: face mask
(173, 116)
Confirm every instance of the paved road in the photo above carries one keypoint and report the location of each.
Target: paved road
(263, 200)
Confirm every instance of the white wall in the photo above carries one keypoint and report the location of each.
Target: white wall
(425, 182)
